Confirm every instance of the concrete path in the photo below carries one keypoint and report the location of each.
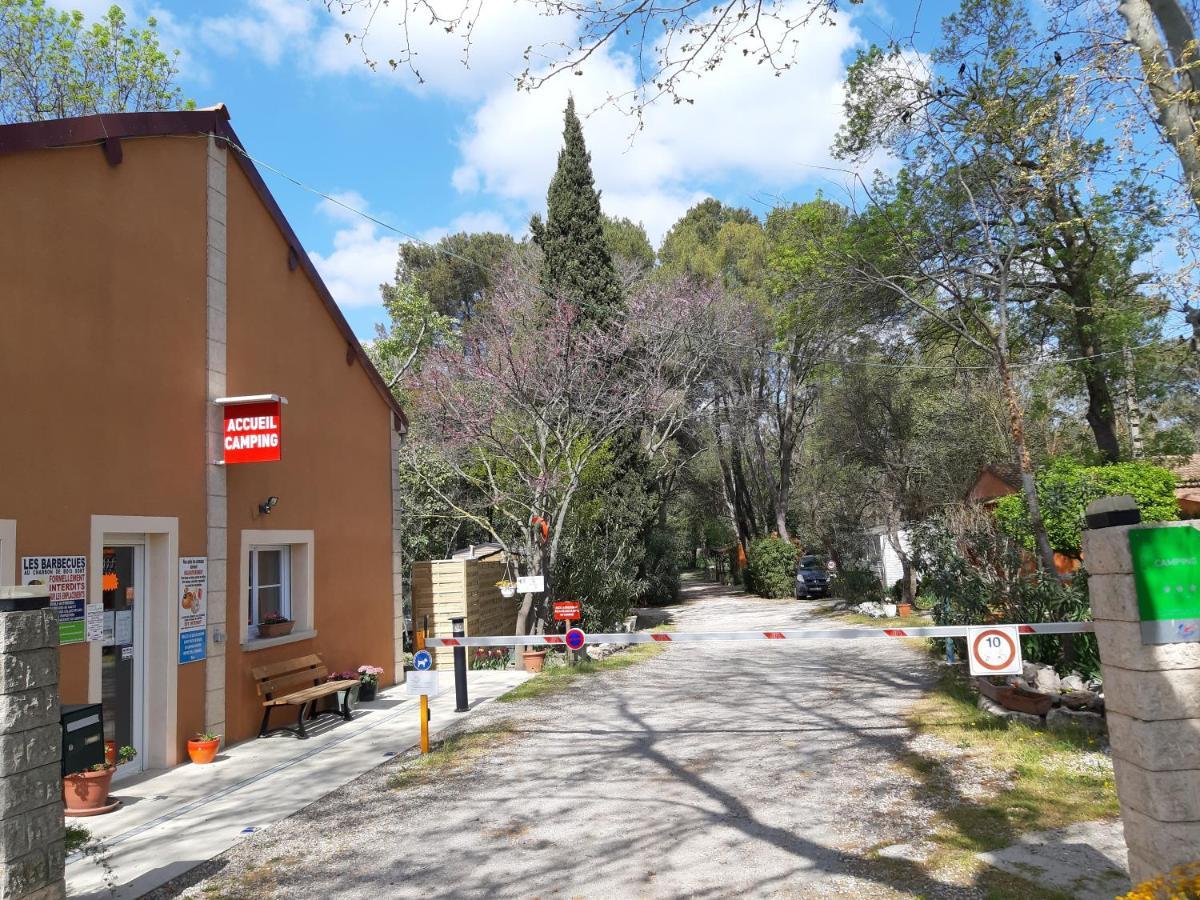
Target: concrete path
(1087, 861)
(173, 821)
(709, 770)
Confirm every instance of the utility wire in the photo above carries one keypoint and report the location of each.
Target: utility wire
(1048, 361)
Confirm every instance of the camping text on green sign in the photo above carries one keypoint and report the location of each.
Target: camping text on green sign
(1166, 572)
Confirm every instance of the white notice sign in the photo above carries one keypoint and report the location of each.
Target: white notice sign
(418, 683)
(994, 650)
(531, 584)
(95, 622)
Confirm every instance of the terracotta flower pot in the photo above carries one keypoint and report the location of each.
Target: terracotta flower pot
(275, 629)
(533, 660)
(203, 751)
(904, 609)
(86, 793)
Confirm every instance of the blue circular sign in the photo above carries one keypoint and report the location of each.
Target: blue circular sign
(422, 660)
(576, 638)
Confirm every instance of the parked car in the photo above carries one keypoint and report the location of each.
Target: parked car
(811, 578)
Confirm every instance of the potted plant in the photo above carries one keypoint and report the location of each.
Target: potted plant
(203, 747)
(533, 659)
(86, 793)
(275, 625)
(904, 609)
(507, 588)
(368, 682)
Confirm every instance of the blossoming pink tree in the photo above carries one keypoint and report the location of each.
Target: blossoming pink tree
(537, 392)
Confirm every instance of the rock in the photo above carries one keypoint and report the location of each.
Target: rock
(1029, 673)
(1073, 682)
(1080, 699)
(874, 610)
(1046, 680)
(992, 707)
(1063, 719)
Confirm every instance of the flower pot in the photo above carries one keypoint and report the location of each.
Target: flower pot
(274, 629)
(203, 752)
(508, 591)
(86, 793)
(533, 660)
(904, 609)
(366, 690)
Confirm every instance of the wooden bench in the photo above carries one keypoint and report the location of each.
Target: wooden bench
(298, 682)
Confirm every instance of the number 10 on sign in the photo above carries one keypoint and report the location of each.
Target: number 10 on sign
(994, 650)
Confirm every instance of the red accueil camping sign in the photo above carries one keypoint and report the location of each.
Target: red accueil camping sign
(566, 611)
(253, 431)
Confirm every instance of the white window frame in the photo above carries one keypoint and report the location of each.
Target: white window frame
(254, 615)
(8, 551)
(297, 576)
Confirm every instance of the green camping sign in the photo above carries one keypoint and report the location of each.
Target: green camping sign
(1166, 574)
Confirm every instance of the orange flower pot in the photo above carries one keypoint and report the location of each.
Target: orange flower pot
(533, 660)
(86, 793)
(904, 609)
(203, 751)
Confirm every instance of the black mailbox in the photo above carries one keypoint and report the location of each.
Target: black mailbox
(82, 738)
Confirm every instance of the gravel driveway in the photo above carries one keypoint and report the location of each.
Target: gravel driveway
(709, 770)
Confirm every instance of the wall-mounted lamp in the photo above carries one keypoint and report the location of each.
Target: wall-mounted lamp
(267, 505)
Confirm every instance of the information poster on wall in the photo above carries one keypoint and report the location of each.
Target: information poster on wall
(65, 577)
(193, 608)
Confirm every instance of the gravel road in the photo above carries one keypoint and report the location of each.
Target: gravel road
(711, 770)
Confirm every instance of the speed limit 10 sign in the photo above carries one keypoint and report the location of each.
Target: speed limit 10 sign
(994, 650)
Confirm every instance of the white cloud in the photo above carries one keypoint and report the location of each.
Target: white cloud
(268, 29)
(743, 125)
(363, 255)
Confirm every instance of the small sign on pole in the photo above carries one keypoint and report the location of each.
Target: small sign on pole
(994, 650)
(575, 638)
(422, 682)
(531, 584)
(566, 611)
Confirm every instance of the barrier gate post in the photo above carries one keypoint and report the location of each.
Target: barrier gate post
(1146, 607)
(419, 644)
(460, 666)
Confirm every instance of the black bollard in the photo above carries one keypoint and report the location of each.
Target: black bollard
(460, 667)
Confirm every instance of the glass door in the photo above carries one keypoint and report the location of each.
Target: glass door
(122, 656)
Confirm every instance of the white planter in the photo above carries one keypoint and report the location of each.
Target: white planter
(509, 591)
(889, 609)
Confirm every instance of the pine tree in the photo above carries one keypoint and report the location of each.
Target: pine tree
(577, 267)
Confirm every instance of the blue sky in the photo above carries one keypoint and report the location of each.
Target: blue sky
(466, 151)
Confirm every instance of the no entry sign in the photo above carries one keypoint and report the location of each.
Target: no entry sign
(566, 611)
(994, 650)
(253, 429)
(575, 638)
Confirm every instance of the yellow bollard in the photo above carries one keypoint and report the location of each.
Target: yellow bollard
(419, 640)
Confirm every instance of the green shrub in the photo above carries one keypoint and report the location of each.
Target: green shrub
(1065, 489)
(975, 574)
(857, 586)
(771, 567)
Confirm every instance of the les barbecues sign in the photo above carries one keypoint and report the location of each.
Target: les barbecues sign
(253, 429)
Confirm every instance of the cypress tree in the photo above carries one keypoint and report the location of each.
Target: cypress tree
(576, 264)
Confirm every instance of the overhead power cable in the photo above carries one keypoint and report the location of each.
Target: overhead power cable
(948, 367)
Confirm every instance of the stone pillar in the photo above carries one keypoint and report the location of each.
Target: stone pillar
(31, 805)
(216, 491)
(1152, 698)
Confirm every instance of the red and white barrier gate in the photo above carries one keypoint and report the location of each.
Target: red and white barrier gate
(806, 634)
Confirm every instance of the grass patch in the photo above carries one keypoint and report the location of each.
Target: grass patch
(1047, 779)
(559, 678)
(450, 755)
(77, 837)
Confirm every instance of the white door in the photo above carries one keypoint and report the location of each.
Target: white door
(123, 654)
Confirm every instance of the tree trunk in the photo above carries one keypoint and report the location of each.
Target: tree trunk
(1175, 116)
(1101, 413)
(1028, 478)
(1020, 448)
(908, 574)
